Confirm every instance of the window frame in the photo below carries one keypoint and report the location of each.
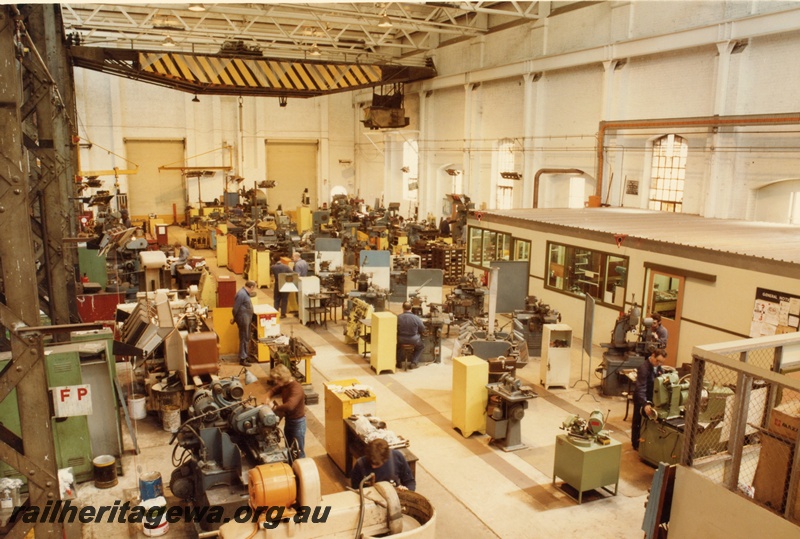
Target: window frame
(509, 244)
(668, 173)
(582, 270)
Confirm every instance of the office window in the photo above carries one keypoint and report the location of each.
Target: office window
(485, 246)
(578, 271)
(668, 173)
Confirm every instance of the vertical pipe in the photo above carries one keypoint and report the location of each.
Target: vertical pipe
(493, 276)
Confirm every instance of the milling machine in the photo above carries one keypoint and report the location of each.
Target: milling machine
(508, 400)
(293, 493)
(662, 433)
(216, 458)
(621, 353)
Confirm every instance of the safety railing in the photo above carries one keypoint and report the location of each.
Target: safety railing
(742, 412)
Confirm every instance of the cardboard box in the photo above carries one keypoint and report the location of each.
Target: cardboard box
(784, 420)
(772, 473)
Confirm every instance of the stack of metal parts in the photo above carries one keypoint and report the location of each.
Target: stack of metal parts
(357, 393)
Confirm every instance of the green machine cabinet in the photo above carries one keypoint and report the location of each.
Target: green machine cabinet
(99, 370)
(587, 467)
(71, 435)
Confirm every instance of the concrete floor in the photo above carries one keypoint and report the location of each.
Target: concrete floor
(475, 487)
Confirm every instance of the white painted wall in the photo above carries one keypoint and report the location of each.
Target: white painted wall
(673, 62)
(111, 109)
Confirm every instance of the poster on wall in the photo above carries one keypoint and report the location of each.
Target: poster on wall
(774, 313)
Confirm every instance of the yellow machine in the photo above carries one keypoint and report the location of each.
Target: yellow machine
(292, 506)
(259, 266)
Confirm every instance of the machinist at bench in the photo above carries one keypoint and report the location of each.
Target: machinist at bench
(410, 328)
(387, 465)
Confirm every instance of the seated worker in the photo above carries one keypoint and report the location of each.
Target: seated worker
(409, 331)
(387, 465)
(181, 257)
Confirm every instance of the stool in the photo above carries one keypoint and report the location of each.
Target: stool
(406, 353)
(628, 401)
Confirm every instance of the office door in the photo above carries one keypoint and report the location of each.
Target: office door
(666, 298)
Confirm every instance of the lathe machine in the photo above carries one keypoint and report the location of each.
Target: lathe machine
(662, 433)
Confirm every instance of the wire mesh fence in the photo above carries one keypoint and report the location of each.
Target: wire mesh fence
(743, 425)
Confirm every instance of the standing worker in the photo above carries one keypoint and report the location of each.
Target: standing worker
(387, 465)
(280, 300)
(444, 227)
(643, 393)
(300, 265)
(659, 332)
(409, 331)
(292, 407)
(243, 315)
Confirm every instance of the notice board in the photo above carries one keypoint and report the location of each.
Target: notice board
(774, 313)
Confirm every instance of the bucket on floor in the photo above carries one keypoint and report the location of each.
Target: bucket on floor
(105, 471)
(170, 418)
(150, 485)
(137, 406)
(155, 520)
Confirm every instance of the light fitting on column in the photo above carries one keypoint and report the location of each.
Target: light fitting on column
(283, 100)
(196, 7)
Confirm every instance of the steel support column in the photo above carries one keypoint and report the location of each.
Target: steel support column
(38, 458)
(48, 75)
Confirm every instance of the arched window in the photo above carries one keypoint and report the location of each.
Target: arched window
(667, 173)
(504, 191)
